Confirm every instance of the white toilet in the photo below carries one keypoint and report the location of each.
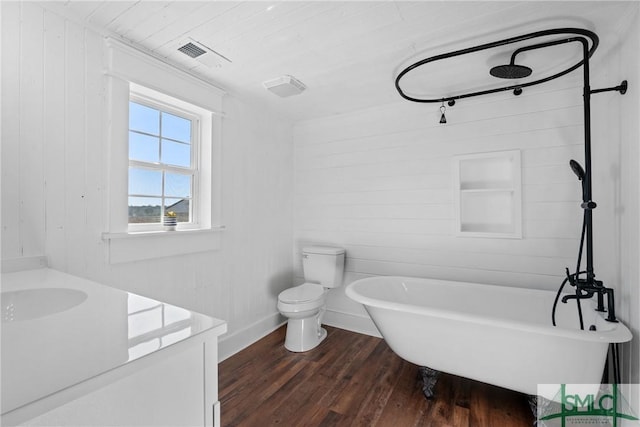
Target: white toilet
(303, 305)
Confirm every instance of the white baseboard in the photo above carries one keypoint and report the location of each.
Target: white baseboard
(230, 344)
(351, 322)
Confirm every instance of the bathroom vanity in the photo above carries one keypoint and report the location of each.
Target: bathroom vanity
(75, 352)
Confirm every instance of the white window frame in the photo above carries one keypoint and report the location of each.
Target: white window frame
(126, 68)
(197, 116)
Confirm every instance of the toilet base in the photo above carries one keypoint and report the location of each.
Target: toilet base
(304, 334)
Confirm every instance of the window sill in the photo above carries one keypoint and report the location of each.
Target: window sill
(141, 245)
(161, 233)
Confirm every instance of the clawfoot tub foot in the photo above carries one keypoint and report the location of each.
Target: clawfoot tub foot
(429, 379)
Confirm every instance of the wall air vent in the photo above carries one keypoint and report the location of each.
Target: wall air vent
(192, 50)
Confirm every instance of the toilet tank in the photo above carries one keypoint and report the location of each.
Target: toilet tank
(323, 265)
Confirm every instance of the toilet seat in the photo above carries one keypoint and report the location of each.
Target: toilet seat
(306, 298)
(307, 292)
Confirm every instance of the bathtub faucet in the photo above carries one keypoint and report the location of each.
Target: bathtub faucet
(586, 288)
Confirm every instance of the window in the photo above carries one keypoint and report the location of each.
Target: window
(169, 162)
(164, 168)
(162, 162)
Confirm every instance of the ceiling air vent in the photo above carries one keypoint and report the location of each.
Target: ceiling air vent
(192, 50)
(285, 86)
(201, 53)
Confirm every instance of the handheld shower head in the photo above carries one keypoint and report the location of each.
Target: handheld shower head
(577, 169)
(510, 71)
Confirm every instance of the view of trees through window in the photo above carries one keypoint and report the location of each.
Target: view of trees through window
(160, 164)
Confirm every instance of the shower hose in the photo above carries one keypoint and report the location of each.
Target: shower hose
(573, 280)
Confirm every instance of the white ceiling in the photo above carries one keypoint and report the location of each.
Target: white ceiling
(346, 53)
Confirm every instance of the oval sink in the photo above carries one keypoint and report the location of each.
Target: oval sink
(31, 304)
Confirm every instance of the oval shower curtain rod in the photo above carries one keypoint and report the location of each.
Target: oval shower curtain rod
(511, 70)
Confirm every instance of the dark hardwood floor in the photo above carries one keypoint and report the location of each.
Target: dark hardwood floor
(352, 379)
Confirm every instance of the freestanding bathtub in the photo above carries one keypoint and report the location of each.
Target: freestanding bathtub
(494, 334)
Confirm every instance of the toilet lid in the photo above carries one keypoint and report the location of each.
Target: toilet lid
(303, 293)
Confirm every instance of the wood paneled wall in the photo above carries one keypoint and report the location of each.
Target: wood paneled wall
(55, 178)
(629, 261)
(379, 183)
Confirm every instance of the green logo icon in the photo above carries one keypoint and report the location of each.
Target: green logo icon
(586, 405)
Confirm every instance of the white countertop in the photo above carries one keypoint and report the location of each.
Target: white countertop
(107, 330)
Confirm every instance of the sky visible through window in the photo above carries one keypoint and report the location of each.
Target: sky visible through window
(160, 175)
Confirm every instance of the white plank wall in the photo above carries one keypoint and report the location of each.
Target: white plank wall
(629, 256)
(55, 126)
(55, 178)
(11, 208)
(379, 182)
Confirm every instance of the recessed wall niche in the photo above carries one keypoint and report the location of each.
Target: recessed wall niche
(488, 194)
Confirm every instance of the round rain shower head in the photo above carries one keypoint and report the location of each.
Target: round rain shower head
(510, 71)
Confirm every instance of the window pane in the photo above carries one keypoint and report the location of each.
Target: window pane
(175, 127)
(145, 182)
(178, 185)
(182, 208)
(143, 118)
(143, 147)
(176, 153)
(144, 210)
